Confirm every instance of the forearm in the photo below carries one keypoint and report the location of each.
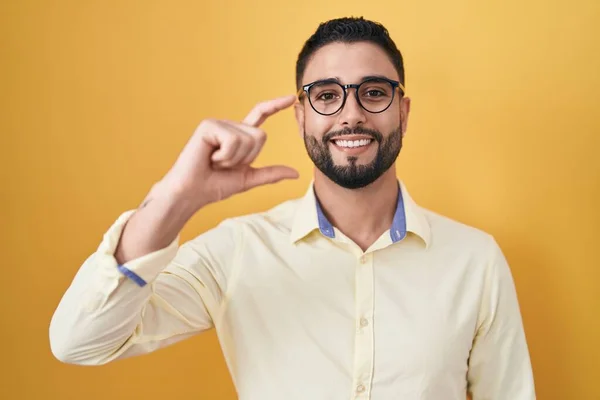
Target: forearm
(104, 315)
(97, 317)
(89, 329)
(157, 222)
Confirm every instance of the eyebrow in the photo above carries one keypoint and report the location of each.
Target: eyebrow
(364, 78)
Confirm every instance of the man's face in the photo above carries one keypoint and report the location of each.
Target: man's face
(352, 147)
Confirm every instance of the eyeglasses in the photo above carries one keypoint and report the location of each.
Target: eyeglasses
(328, 96)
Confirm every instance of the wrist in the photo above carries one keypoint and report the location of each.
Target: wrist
(176, 199)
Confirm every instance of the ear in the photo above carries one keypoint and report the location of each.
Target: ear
(404, 111)
(299, 112)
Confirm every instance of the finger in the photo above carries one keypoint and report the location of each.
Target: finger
(212, 141)
(268, 175)
(258, 139)
(257, 146)
(246, 145)
(264, 110)
(245, 135)
(228, 144)
(202, 143)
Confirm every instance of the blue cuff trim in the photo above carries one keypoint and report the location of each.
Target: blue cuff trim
(132, 275)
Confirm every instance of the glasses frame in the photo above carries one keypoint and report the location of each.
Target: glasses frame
(395, 85)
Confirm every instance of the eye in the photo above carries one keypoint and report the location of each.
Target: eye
(375, 93)
(326, 92)
(376, 90)
(327, 96)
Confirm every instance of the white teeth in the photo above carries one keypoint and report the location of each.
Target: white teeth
(353, 143)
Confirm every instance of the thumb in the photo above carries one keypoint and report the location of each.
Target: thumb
(267, 175)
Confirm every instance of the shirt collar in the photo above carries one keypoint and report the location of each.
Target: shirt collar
(408, 218)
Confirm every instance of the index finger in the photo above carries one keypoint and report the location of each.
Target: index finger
(264, 110)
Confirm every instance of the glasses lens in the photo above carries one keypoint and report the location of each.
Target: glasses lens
(326, 97)
(376, 95)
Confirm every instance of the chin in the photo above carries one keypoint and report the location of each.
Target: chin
(353, 160)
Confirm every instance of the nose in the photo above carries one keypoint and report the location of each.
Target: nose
(352, 114)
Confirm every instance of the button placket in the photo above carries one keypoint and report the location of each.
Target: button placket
(363, 344)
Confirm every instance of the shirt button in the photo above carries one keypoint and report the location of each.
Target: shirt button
(360, 388)
(363, 259)
(364, 322)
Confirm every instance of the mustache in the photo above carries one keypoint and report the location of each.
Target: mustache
(359, 130)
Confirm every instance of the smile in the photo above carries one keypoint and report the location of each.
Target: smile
(353, 143)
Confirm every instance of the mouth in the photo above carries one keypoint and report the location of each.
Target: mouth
(352, 144)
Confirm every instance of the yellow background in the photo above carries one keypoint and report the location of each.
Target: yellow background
(98, 97)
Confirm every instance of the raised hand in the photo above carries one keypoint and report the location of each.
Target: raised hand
(216, 161)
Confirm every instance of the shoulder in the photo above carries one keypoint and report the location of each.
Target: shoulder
(277, 219)
(450, 236)
(273, 221)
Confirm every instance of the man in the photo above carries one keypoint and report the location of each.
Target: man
(353, 291)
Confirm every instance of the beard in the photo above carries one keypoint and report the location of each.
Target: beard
(353, 176)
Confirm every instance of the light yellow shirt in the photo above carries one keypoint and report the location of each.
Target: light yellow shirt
(301, 312)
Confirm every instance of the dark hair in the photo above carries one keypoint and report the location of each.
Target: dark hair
(349, 30)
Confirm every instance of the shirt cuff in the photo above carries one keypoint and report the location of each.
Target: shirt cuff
(141, 270)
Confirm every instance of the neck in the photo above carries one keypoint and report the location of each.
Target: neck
(364, 214)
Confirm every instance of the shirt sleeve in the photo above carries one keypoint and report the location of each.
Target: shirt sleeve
(499, 363)
(106, 314)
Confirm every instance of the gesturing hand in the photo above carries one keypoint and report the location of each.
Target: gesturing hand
(216, 162)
